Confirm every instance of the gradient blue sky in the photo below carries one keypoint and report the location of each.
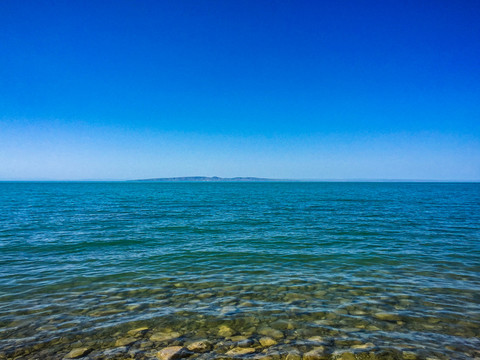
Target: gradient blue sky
(282, 89)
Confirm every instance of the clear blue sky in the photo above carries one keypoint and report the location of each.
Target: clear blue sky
(283, 89)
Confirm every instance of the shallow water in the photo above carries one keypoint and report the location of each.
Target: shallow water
(320, 270)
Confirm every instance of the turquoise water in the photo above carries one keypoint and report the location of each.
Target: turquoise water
(251, 270)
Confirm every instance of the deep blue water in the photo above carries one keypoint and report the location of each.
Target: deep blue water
(395, 266)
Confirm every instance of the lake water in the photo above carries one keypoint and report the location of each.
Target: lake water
(240, 270)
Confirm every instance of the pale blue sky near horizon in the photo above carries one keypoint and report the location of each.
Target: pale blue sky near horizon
(118, 90)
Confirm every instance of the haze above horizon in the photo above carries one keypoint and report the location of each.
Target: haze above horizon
(287, 90)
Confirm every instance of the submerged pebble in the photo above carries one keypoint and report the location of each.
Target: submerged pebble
(387, 316)
(293, 355)
(173, 353)
(363, 346)
(318, 353)
(346, 355)
(266, 341)
(268, 331)
(125, 341)
(200, 346)
(137, 331)
(225, 331)
(78, 352)
(240, 351)
(164, 336)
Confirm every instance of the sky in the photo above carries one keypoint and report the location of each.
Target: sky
(116, 90)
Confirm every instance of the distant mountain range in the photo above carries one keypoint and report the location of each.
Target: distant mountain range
(208, 179)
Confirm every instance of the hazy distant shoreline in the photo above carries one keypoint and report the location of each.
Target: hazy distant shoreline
(211, 179)
(257, 179)
(237, 179)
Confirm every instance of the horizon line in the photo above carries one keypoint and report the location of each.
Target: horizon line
(251, 179)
